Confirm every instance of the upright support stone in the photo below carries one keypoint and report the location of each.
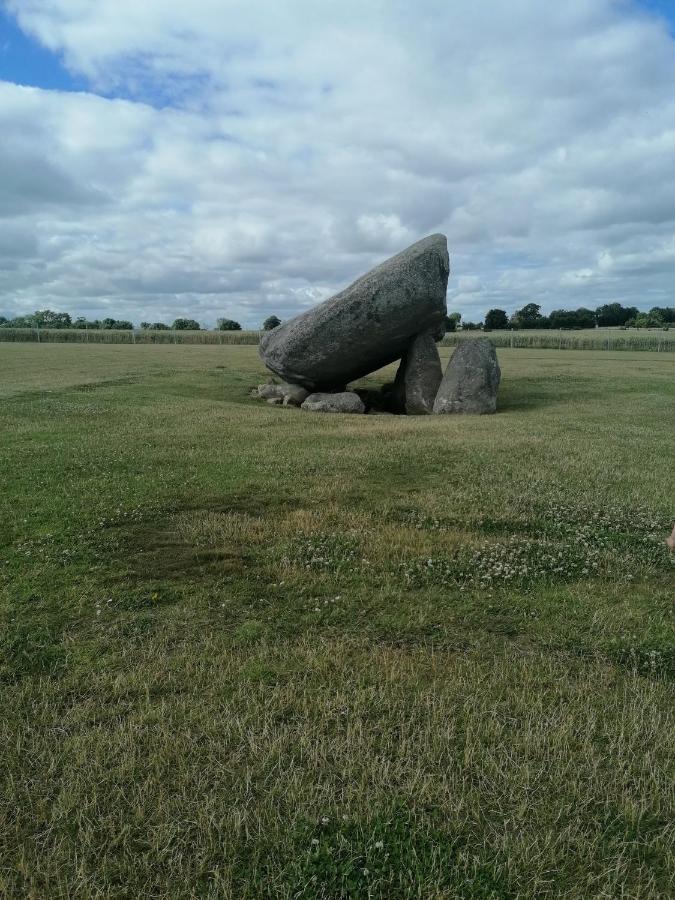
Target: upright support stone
(471, 379)
(419, 376)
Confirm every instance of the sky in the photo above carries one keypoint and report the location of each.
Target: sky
(241, 159)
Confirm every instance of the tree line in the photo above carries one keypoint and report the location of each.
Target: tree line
(47, 318)
(530, 316)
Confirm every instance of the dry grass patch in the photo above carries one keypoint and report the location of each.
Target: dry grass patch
(339, 769)
(219, 529)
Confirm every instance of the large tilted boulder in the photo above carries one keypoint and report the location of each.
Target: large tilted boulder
(471, 379)
(419, 376)
(343, 402)
(368, 325)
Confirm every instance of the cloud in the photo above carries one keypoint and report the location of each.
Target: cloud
(243, 159)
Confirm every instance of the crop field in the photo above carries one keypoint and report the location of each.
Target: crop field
(252, 652)
(659, 340)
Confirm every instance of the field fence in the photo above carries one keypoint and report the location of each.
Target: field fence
(659, 342)
(562, 341)
(140, 336)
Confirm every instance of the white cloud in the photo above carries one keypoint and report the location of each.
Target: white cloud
(469, 284)
(271, 152)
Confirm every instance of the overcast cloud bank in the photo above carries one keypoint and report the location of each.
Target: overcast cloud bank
(243, 159)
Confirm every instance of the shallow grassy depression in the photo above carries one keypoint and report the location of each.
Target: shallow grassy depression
(251, 652)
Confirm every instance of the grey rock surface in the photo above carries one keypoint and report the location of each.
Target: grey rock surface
(471, 379)
(419, 376)
(267, 391)
(344, 402)
(288, 394)
(367, 325)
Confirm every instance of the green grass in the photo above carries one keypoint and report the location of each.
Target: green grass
(246, 651)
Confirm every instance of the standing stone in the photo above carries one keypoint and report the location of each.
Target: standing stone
(471, 379)
(366, 326)
(419, 376)
(344, 402)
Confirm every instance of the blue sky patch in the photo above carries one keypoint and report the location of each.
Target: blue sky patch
(663, 8)
(25, 61)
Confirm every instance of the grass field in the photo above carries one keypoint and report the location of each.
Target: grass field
(251, 652)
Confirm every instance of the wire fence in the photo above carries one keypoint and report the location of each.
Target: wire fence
(659, 341)
(113, 336)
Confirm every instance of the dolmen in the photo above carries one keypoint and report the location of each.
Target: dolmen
(395, 312)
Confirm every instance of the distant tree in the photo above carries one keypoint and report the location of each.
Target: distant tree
(496, 319)
(154, 326)
(471, 326)
(47, 318)
(228, 325)
(145, 326)
(572, 318)
(613, 314)
(20, 322)
(110, 324)
(185, 325)
(271, 322)
(452, 321)
(560, 318)
(91, 325)
(585, 317)
(646, 320)
(667, 313)
(529, 317)
(3, 320)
